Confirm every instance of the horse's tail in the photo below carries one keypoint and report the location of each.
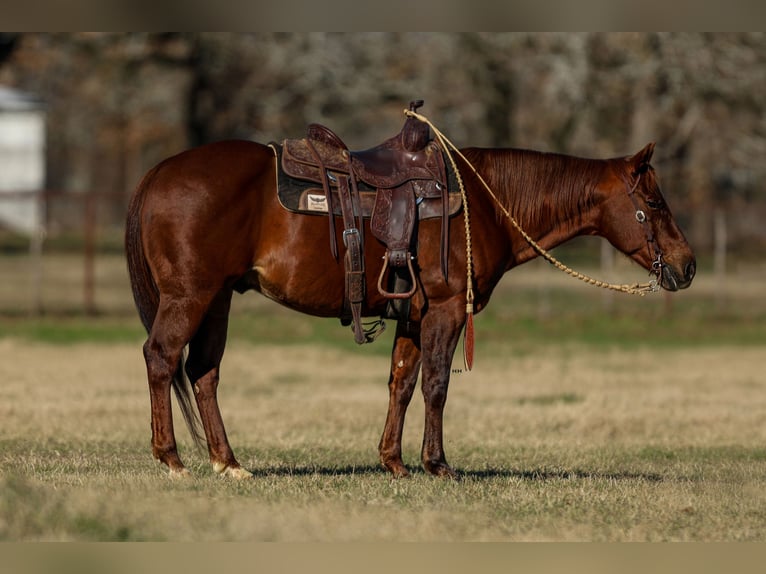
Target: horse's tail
(147, 299)
(145, 293)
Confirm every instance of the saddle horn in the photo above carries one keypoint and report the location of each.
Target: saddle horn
(415, 134)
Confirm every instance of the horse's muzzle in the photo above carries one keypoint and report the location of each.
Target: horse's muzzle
(673, 279)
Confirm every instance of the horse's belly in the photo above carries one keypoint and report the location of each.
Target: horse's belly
(294, 266)
(315, 294)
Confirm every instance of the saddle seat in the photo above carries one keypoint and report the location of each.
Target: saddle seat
(404, 170)
(385, 166)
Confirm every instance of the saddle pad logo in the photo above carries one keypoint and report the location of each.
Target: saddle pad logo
(315, 202)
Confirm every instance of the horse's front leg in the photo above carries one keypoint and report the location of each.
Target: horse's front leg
(405, 366)
(440, 333)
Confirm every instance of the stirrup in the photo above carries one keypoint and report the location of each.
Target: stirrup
(370, 330)
(406, 295)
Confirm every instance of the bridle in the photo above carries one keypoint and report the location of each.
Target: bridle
(643, 219)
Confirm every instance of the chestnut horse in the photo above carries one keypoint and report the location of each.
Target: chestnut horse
(207, 222)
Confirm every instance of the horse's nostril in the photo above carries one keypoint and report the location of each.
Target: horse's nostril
(690, 270)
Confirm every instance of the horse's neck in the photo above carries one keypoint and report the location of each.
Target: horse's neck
(548, 195)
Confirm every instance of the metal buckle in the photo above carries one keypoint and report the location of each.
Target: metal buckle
(349, 232)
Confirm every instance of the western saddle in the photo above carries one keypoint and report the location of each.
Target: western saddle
(404, 171)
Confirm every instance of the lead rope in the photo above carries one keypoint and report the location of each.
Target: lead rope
(640, 289)
(468, 333)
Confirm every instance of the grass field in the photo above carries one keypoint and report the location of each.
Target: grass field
(645, 422)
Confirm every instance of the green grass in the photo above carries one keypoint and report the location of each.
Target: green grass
(495, 326)
(73, 329)
(534, 305)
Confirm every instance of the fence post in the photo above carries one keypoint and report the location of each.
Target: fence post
(36, 252)
(719, 253)
(90, 248)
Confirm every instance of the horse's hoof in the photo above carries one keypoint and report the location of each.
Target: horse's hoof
(397, 470)
(442, 470)
(179, 473)
(238, 473)
(235, 472)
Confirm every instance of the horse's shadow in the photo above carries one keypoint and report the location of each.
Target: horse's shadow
(528, 475)
(541, 475)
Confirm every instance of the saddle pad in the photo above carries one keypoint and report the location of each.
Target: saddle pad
(301, 196)
(313, 201)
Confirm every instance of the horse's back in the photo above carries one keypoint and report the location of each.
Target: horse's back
(225, 167)
(204, 180)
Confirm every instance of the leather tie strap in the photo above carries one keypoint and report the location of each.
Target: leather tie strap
(327, 194)
(354, 258)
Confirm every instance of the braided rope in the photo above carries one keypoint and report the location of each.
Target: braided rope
(445, 143)
(640, 289)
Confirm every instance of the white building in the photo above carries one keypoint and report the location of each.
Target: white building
(22, 160)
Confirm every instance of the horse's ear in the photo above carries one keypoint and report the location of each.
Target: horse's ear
(640, 161)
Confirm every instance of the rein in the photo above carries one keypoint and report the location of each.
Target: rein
(640, 289)
(633, 289)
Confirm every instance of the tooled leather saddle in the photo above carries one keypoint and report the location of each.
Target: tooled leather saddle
(394, 184)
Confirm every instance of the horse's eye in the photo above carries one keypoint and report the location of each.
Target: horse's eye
(654, 203)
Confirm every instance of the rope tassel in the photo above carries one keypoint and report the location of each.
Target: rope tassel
(468, 337)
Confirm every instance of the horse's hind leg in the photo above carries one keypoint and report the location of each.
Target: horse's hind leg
(203, 367)
(405, 365)
(173, 326)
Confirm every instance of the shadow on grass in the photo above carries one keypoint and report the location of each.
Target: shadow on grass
(533, 475)
(547, 474)
(349, 470)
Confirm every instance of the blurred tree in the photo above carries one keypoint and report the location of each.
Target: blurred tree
(7, 43)
(120, 102)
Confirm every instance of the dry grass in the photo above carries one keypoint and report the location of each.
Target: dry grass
(565, 443)
(555, 440)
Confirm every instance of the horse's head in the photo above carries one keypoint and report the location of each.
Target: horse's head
(637, 221)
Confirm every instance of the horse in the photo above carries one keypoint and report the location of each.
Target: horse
(207, 222)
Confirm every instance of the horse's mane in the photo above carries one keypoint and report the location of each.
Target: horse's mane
(538, 188)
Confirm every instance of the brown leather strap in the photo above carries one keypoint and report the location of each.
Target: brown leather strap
(354, 258)
(356, 206)
(444, 251)
(393, 220)
(328, 195)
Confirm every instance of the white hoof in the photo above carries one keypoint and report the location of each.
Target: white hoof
(235, 472)
(180, 474)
